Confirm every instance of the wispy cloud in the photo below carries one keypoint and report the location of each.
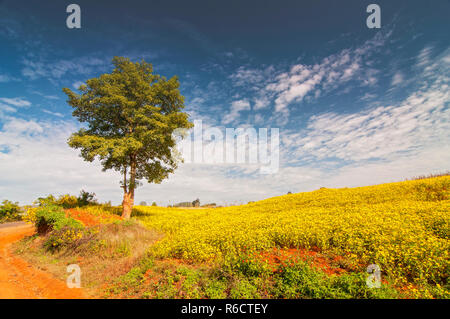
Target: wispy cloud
(53, 113)
(332, 72)
(397, 78)
(34, 69)
(270, 85)
(419, 122)
(4, 78)
(236, 107)
(19, 102)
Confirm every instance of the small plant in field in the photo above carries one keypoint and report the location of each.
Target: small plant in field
(244, 289)
(216, 289)
(63, 237)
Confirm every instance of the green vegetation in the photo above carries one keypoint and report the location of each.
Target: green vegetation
(9, 211)
(308, 245)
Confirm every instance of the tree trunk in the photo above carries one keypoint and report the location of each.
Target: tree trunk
(128, 194)
(127, 205)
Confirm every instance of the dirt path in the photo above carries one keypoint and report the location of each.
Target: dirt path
(18, 279)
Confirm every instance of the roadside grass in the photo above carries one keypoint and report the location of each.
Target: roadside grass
(103, 253)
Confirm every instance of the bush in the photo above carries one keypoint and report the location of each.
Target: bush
(53, 217)
(44, 201)
(63, 237)
(9, 211)
(67, 201)
(300, 280)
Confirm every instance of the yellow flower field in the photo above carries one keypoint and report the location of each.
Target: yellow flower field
(403, 227)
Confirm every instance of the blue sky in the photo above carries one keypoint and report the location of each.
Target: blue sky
(354, 106)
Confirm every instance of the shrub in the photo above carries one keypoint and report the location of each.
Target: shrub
(216, 289)
(9, 211)
(299, 280)
(44, 201)
(53, 217)
(63, 237)
(244, 289)
(67, 201)
(30, 215)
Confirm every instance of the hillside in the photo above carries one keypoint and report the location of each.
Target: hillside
(316, 244)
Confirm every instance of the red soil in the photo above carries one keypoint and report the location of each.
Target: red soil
(283, 256)
(89, 219)
(20, 280)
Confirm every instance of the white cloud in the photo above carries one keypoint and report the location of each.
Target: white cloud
(424, 56)
(236, 108)
(34, 69)
(15, 101)
(6, 108)
(53, 113)
(244, 76)
(330, 73)
(261, 102)
(40, 162)
(397, 78)
(419, 122)
(4, 78)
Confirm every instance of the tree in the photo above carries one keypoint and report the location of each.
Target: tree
(154, 204)
(130, 114)
(196, 203)
(86, 198)
(9, 211)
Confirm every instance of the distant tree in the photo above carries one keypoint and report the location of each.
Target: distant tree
(154, 204)
(143, 203)
(9, 211)
(289, 193)
(86, 198)
(196, 203)
(44, 201)
(131, 114)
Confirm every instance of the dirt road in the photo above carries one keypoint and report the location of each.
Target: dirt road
(18, 279)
